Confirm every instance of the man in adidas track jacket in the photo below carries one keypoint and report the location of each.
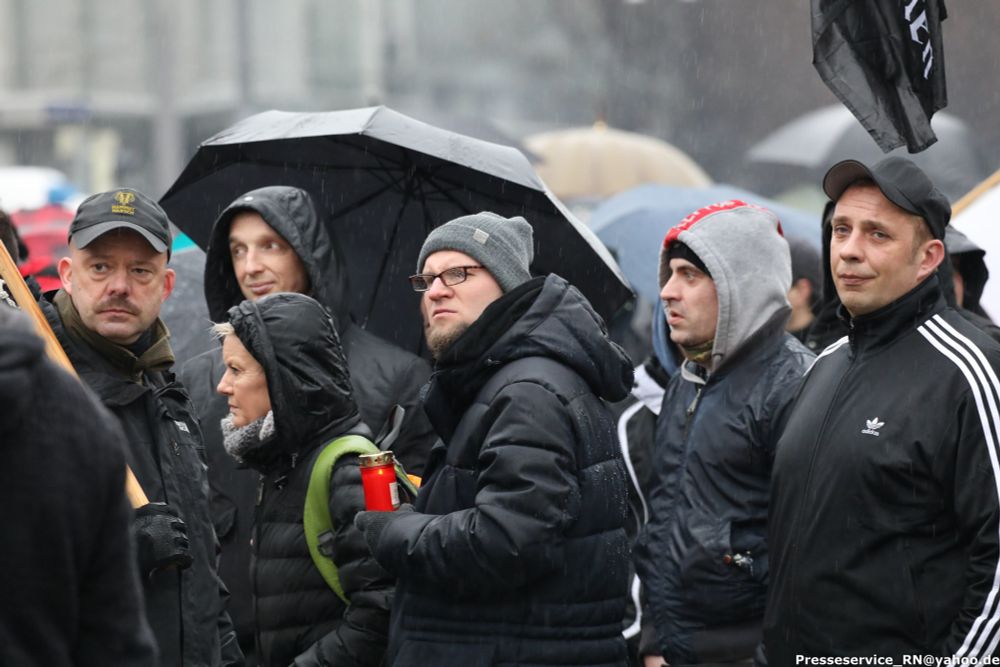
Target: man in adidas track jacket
(884, 505)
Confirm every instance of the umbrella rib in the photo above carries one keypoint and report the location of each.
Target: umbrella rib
(393, 182)
(455, 186)
(384, 169)
(407, 193)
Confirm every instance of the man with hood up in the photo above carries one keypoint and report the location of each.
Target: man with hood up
(272, 240)
(725, 272)
(516, 553)
(289, 393)
(969, 275)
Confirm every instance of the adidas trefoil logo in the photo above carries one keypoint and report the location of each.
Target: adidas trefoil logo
(873, 425)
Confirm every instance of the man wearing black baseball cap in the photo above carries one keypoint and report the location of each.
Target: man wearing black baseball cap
(884, 501)
(123, 209)
(106, 317)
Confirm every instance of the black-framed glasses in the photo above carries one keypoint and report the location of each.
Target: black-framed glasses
(422, 282)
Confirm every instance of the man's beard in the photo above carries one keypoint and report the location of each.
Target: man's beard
(440, 339)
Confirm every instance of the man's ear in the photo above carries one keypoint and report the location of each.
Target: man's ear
(169, 276)
(65, 268)
(800, 294)
(931, 256)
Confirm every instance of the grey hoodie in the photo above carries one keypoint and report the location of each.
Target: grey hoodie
(749, 263)
(703, 556)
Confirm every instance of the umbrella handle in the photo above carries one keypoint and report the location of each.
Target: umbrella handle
(24, 299)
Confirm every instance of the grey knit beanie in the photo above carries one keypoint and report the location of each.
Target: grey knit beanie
(502, 245)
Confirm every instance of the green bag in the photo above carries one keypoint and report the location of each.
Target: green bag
(316, 519)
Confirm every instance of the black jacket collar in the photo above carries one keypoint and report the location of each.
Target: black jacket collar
(466, 365)
(879, 328)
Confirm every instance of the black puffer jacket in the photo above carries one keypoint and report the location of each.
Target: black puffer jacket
(70, 591)
(383, 375)
(517, 553)
(298, 616)
(186, 610)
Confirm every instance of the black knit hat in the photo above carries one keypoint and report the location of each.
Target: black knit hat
(678, 250)
(503, 245)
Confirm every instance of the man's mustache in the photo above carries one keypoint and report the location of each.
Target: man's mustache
(118, 303)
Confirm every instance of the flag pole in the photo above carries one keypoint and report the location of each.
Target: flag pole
(976, 192)
(24, 299)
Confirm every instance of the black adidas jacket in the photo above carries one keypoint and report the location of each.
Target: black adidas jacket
(884, 505)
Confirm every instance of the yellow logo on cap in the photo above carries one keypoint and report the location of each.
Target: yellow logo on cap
(122, 207)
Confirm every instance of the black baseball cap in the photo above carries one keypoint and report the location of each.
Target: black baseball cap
(116, 209)
(902, 182)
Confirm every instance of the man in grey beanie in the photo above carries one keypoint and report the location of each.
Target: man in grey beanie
(526, 491)
(499, 248)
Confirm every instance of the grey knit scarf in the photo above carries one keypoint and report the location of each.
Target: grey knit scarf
(242, 440)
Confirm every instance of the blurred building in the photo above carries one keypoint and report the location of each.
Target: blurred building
(121, 92)
(114, 91)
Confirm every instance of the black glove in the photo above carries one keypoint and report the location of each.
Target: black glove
(371, 524)
(160, 539)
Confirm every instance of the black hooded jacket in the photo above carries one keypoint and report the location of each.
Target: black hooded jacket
(68, 581)
(517, 552)
(186, 610)
(967, 260)
(298, 616)
(884, 502)
(383, 374)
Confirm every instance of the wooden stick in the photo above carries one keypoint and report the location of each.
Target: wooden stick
(975, 193)
(22, 295)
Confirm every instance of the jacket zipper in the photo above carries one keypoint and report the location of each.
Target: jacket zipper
(812, 462)
(689, 414)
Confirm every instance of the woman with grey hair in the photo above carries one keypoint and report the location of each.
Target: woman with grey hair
(289, 394)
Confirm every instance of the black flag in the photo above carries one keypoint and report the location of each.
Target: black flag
(885, 61)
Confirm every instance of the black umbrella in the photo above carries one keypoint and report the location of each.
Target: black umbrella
(185, 312)
(382, 181)
(819, 139)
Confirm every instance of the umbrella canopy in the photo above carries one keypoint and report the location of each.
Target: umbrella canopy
(633, 225)
(599, 162)
(382, 181)
(185, 312)
(817, 140)
(976, 215)
(478, 127)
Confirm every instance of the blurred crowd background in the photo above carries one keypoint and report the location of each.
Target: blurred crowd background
(102, 93)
